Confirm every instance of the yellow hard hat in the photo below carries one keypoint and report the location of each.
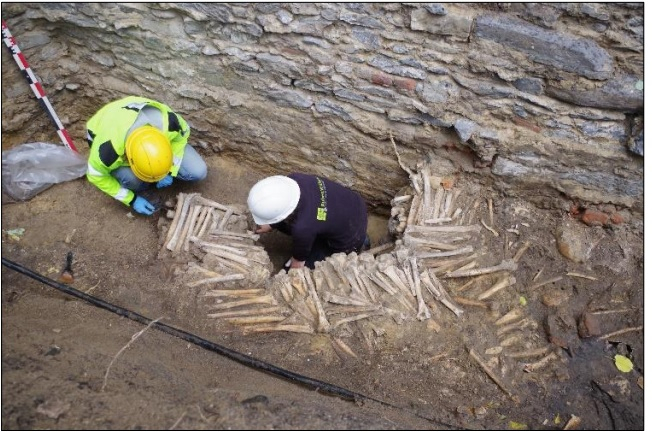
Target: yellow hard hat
(149, 154)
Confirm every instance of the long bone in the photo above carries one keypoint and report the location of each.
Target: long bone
(203, 213)
(352, 309)
(322, 321)
(248, 312)
(457, 252)
(237, 293)
(427, 194)
(233, 234)
(265, 299)
(357, 318)
(341, 300)
(491, 375)
(328, 277)
(225, 219)
(439, 293)
(422, 312)
(177, 216)
(255, 320)
(206, 223)
(522, 324)
(297, 328)
(211, 203)
(443, 229)
(503, 283)
(182, 243)
(439, 195)
(228, 263)
(378, 278)
(506, 265)
(230, 277)
(174, 239)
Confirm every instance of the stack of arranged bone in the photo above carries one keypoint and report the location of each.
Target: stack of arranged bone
(216, 240)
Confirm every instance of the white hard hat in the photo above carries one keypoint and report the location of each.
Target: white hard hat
(273, 199)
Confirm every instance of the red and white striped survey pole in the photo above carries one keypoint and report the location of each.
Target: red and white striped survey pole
(35, 85)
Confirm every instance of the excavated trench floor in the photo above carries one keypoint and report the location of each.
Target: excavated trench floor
(530, 346)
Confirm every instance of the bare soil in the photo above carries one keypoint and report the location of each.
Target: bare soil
(70, 365)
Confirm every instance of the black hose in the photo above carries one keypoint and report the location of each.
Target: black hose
(231, 354)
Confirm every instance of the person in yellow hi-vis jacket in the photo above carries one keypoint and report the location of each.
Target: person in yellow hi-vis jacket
(136, 142)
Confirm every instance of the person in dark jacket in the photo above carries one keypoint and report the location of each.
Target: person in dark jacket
(322, 216)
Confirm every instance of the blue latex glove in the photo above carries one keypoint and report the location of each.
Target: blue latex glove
(165, 182)
(142, 206)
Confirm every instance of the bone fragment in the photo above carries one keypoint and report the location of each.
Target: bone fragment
(422, 312)
(211, 203)
(536, 276)
(170, 215)
(546, 282)
(510, 316)
(491, 375)
(495, 233)
(572, 423)
(490, 204)
(528, 353)
(322, 321)
(230, 277)
(341, 346)
(620, 332)
(292, 328)
(521, 251)
(540, 363)
(506, 265)
(509, 341)
(584, 276)
(249, 312)
(447, 204)
(520, 325)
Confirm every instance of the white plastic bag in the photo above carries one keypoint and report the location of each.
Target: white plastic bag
(31, 168)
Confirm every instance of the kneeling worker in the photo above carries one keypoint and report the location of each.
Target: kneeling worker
(323, 217)
(136, 142)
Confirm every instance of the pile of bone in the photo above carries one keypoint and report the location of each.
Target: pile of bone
(340, 290)
(216, 240)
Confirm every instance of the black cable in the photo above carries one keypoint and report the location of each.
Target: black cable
(231, 354)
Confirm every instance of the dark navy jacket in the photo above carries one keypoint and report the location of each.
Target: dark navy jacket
(326, 211)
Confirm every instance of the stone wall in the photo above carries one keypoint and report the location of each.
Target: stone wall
(540, 100)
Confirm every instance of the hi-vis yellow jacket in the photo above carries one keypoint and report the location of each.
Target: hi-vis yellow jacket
(107, 133)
